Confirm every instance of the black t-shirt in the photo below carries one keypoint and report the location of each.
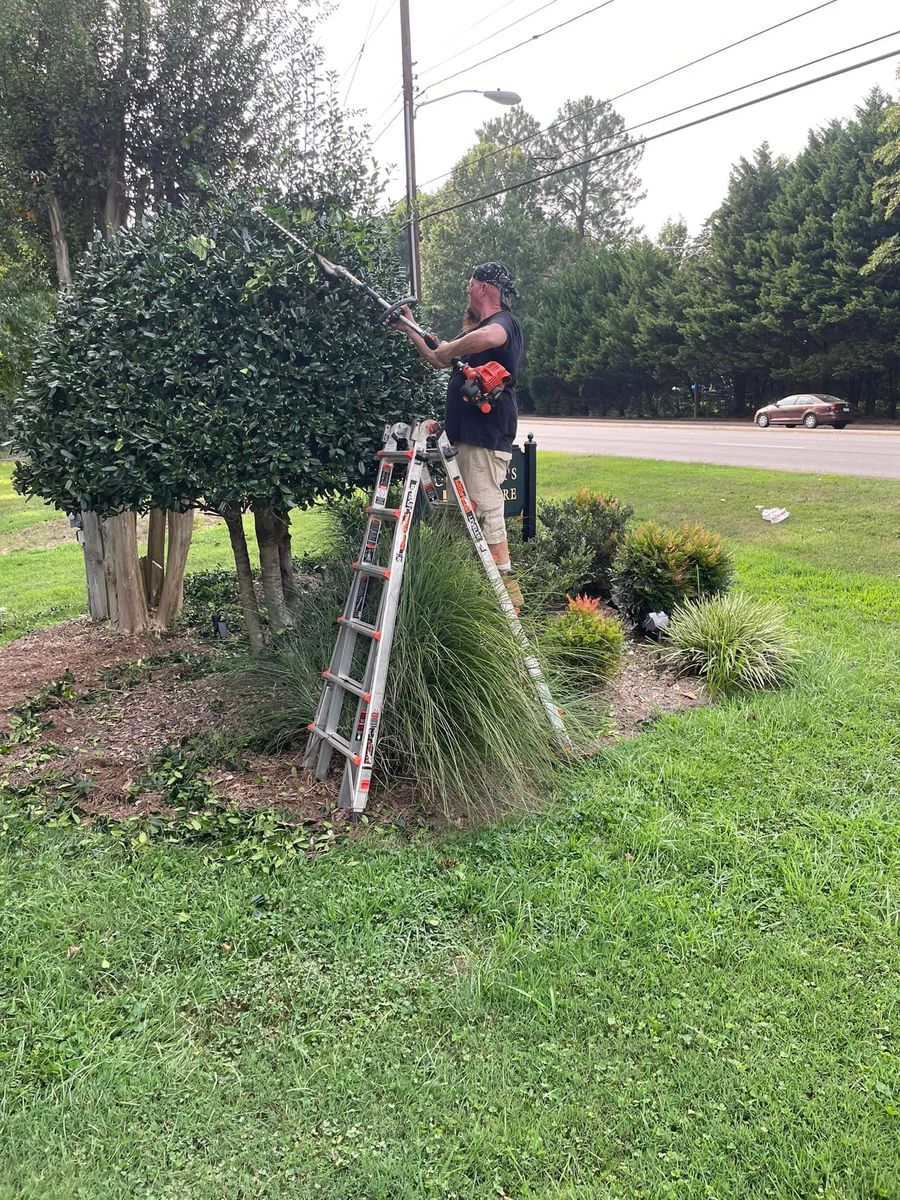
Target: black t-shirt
(466, 422)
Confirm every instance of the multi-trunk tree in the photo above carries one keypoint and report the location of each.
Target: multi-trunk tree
(200, 360)
(111, 109)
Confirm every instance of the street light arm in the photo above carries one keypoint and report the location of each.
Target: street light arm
(435, 99)
(498, 96)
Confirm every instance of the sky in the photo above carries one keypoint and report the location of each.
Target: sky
(601, 54)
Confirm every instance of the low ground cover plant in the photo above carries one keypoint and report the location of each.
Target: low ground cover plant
(659, 567)
(733, 642)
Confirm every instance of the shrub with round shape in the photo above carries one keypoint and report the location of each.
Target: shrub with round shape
(585, 640)
(588, 522)
(658, 568)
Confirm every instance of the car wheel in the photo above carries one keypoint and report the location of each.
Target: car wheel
(762, 421)
(810, 420)
(840, 424)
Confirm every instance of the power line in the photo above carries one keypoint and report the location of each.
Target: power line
(356, 57)
(765, 79)
(513, 187)
(369, 34)
(387, 108)
(755, 83)
(638, 87)
(496, 33)
(534, 37)
(379, 136)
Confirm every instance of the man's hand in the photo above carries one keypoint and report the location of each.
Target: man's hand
(405, 311)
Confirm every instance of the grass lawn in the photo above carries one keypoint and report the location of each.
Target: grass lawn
(680, 981)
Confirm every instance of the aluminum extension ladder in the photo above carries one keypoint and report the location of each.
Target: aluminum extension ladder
(424, 443)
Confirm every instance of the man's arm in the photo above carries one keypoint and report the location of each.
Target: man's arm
(486, 338)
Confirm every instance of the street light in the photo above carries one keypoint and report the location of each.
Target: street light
(497, 96)
(409, 115)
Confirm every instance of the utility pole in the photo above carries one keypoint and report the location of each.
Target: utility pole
(409, 133)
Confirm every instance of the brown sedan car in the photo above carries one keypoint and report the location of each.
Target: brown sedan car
(809, 409)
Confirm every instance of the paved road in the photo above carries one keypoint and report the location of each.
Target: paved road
(854, 451)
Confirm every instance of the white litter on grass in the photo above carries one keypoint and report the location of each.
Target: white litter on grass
(773, 515)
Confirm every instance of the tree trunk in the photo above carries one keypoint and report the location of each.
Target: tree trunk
(268, 537)
(870, 395)
(60, 244)
(234, 520)
(286, 563)
(155, 560)
(115, 208)
(181, 527)
(120, 534)
(92, 535)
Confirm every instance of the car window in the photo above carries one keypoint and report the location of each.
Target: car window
(787, 402)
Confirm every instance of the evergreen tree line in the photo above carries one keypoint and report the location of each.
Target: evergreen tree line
(791, 286)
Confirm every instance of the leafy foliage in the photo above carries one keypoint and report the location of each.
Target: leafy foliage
(887, 190)
(547, 572)
(589, 520)
(734, 643)
(200, 359)
(657, 568)
(102, 116)
(585, 639)
(209, 594)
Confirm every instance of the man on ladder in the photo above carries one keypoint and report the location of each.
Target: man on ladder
(483, 439)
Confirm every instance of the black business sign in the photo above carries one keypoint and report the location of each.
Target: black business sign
(514, 484)
(520, 487)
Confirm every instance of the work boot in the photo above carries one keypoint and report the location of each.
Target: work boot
(515, 592)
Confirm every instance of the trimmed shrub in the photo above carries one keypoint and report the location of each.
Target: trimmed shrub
(547, 573)
(658, 568)
(587, 524)
(734, 643)
(585, 640)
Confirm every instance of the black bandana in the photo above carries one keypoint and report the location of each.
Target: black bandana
(497, 274)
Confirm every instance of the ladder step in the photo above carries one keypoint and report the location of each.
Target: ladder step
(395, 456)
(361, 627)
(334, 739)
(375, 510)
(348, 684)
(373, 569)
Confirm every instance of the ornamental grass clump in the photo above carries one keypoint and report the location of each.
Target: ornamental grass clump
(463, 729)
(658, 568)
(734, 643)
(585, 640)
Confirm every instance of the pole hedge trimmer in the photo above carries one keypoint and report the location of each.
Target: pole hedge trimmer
(482, 385)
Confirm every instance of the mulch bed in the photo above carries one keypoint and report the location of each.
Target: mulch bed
(122, 716)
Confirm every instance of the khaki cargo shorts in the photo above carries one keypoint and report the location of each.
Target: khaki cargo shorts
(483, 472)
